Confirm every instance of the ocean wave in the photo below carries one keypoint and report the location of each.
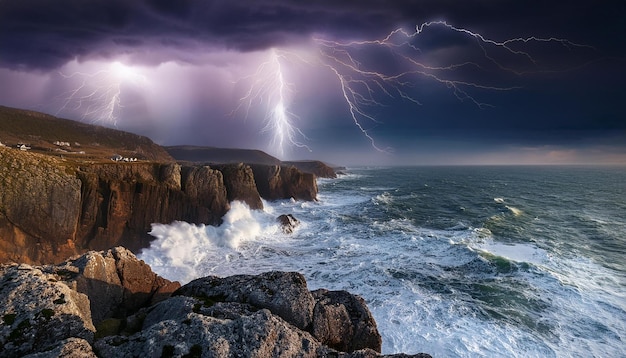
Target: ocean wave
(181, 249)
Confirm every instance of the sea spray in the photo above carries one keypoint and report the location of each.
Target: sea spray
(181, 249)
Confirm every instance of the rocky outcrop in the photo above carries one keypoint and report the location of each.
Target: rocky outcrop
(288, 223)
(51, 208)
(285, 294)
(59, 308)
(107, 303)
(240, 184)
(279, 182)
(337, 319)
(115, 281)
(38, 311)
(316, 167)
(343, 322)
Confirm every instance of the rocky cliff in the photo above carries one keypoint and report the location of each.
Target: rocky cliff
(52, 207)
(214, 156)
(277, 182)
(320, 169)
(110, 304)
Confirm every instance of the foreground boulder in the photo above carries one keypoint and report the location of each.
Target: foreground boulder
(115, 281)
(343, 321)
(110, 304)
(185, 326)
(38, 312)
(337, 319)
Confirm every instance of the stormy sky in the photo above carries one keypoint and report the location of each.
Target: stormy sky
(349, 82)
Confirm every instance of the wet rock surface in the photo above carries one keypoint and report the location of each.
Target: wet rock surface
(288, 223)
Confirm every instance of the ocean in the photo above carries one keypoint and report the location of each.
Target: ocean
(493, 261)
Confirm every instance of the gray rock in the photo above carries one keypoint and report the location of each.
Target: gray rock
(69, 348)
(259, 334)
(283, 293)
(342, 321)
(38, 311)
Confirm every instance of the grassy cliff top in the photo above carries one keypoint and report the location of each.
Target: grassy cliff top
(40, 131)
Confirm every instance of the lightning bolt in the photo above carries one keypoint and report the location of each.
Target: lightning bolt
(97, 95)
(363, 85)
(270, 88)
(488, 65)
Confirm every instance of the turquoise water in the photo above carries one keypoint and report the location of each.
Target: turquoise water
(453, 261)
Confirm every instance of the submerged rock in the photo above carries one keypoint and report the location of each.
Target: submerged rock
(288, 223)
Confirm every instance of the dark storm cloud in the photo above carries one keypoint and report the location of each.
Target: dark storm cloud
(581, 105)
(46, 34)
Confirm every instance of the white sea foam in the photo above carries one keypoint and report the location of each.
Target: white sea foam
(181, 250)
(515, 252)
(514, 210)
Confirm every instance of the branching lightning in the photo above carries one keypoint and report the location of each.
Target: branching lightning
(270, 88)
(97, 95)
(366, 83)
(403, 66)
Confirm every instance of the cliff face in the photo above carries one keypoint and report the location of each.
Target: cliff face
(39, 196)
(320, 169)
(278, 182)
(120, 201)
(241, 184)
(51, 208)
